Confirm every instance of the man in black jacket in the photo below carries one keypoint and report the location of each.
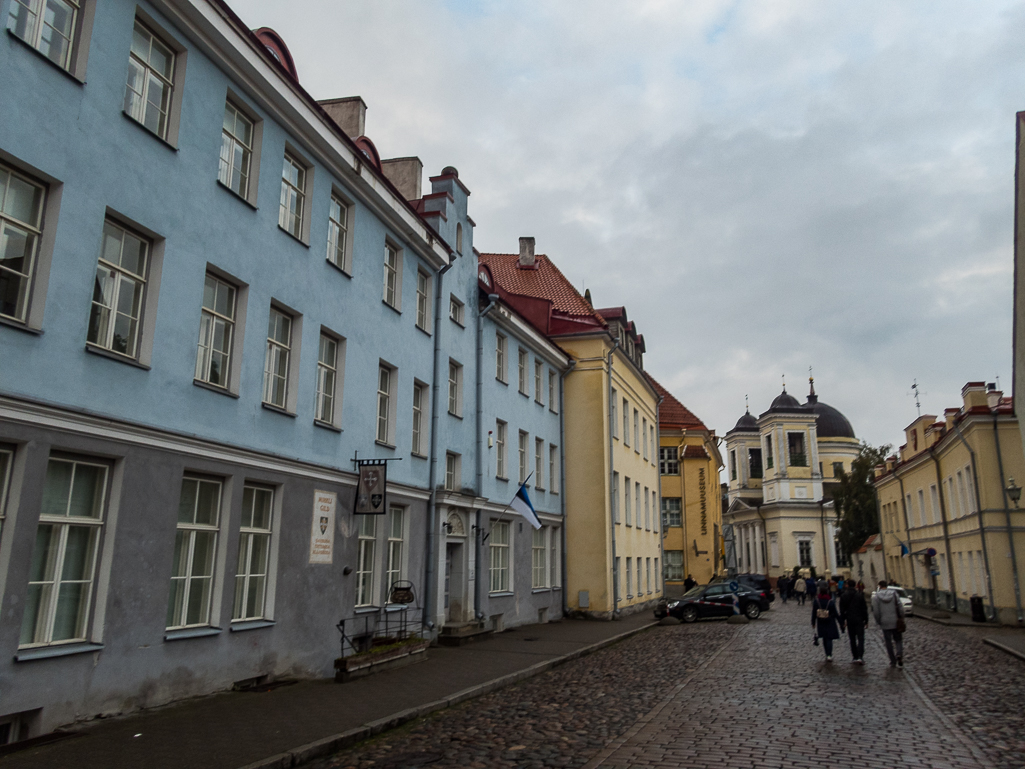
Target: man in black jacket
(854, 616)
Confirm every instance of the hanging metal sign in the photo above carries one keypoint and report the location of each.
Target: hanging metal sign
(370, 495)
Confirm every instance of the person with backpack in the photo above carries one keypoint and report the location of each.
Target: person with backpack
(854, 619)
(889, 615)
(824, 617)
(800, 590)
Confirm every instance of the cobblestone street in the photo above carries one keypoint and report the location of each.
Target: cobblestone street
(725, 696)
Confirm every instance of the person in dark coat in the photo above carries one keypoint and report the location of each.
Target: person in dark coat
(784, 585)
(689, 583)
(854, 619)
(824, 618)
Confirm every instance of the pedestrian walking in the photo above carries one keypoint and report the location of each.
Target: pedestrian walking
(854, 619)
(783, 583)
(800, 590)
(689, 583)
(824, 617)
(889, 615)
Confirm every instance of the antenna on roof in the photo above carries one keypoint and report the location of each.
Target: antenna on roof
(747, 406)
(997, 377)
(784, 377)
(915, 389)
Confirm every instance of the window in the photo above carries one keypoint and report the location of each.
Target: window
(768, 452)
(21, 221)
(455, 389)
(6, 460)
(969, 489)
(459, 238)
(327, 380)
(733, 464)
(523, 372)
(553, 468)
(617, 579)
(423, 300)
(293, 197)
(629, 577)
(553, 391)
(339, 247)
(539, 463)
(396, 543)
(674, 565)
(804, 553)
(637, 437)
(195, 552)
(657, 574)
(644, 436)
(116, 314)
(615, 414)
(63, 566)
(910, 509)
(365, 560)
(236, 151)
(637, 503)
(668, 460)
(276, 362)
(539, 372)
(935, 500)
(452, 480)
(523, 456)
(419, 421)
(638, 562)
(555, 542)
(539, 559)
(385, 392)
(216, 328)
(499, 566)
(795, 446)
(615, 497)
(253, 554)
(392, 289)
(626, 423)
(647, 510)
(837, 469)
(654, 444)
(49, 26)
(754, 463)
(627, 512)
(921, 507)
(456, 310)
(150, 81)
(672, 511)
(501, 345)
(501, 429)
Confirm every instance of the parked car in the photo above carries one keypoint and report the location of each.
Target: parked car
(757, 582)
(905, 599)
(715, 600)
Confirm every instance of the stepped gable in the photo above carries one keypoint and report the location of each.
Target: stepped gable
(672, 413)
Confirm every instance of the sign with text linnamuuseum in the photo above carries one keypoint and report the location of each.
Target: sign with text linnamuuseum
(322, 534)
(370, 496)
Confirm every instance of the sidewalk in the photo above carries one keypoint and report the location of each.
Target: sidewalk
(298, 722)
(1007, 639)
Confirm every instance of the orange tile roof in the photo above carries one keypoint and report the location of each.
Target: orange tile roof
(546, 281)
(672, 413)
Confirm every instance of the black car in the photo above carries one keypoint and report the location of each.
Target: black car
(758, 583)
(714, 600)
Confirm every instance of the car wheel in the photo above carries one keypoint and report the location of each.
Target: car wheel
(689, 614)
(752, 611)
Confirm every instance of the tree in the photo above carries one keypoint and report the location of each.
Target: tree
(855, 500)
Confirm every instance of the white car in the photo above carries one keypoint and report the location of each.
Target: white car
(905, 599)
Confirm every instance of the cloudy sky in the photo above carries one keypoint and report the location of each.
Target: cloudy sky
(766, 186)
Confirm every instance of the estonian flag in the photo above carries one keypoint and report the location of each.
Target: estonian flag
(904, 549)
(521, 504)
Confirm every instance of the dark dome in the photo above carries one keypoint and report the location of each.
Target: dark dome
(829, 423)
(747, 423)
(785, 402)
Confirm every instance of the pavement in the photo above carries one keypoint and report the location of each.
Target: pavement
(291, 724)
(1010, 640)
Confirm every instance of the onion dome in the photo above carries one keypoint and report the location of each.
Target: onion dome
(785, 402)
(747, 423)
(829, 423)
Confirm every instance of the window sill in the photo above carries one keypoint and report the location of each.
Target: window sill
(539, 403)
(418, 455)
(181, 634)
(60, 650)
(393, 607)
(458, 323)
(234, 194)
(327, 426)
(104, 353)
(454, 414)
(214, 388)
(502, 594)
(11, 323)
(278, 409)
(422, 330)
(47, 59)
(553, 411)
(502, 381)
(525, 395)
(298, 240)
(365, 609)
(501, 478)
(541, 590)
(345, 272)
(391, 307)
(251, 624)
(386, 445)
(148, 132)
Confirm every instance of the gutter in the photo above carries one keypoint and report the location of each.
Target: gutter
(433, 474)
(479, 418)
(982, 527)
(822, 524)
(1007, 513)
(562, 479)
(612, 464)
(952, 597)
(658, 508)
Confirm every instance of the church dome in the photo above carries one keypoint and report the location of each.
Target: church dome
(829, 423)
(785, 402)
(747, 423)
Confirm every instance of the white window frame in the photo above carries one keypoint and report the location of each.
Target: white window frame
(539, 464)
(654, 444)
(141, 63)
(420, 420)
(647, 509)
(104, 337)
(455, 388)
(366, 560)
(553, 468)
(499, 566)
(524, 451)
(644, 436)
(246, 577)
(628, 517)
(424, 292)
(33, 34)
(6, 465)
(501, 358)
(296, 178)
(668, 460)
(555, 559)
(615, 413)
(341, 212)
(539, 372)
(672, 512)
(539, 571)
(216, 319)
(387, 377)
(456, 310)
(626, 422)
(637, 502)
(38, 627)
(188, 531)
(453, 471)
(615, 496)
(278, 349)
(235, 150)
(330, 375)
(522, 360)
(553, 392)
(637, 430)
(395, 568)
(674, 565)
(629, 577)
(32, 231)
(392, 276)
(501, 450)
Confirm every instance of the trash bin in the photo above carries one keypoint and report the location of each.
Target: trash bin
(978, 612)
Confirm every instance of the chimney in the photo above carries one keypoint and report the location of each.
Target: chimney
(993, 395)
(950, 416)
(527, 253)
(406, 174)
(349, 114)
(974, 395)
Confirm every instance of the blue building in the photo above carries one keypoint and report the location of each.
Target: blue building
(214, 296)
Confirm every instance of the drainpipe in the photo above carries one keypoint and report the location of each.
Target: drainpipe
(952, 596)
(907, 526)
(477, 546)
(562, 485)
(822, 525)
(982, 528)
(683, 506)
(612, 518)
(1007, 513)
(432, 475)
(658, 509)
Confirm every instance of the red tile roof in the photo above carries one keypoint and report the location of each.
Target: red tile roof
(672, 413)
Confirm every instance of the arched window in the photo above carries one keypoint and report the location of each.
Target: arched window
(459, 238)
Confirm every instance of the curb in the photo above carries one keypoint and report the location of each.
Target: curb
(322, 747)
(1003, 648)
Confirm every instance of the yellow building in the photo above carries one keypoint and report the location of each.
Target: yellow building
(951, 526)
(689, 464)
(782, 469)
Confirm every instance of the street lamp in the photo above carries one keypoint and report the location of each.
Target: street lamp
(1013, 492)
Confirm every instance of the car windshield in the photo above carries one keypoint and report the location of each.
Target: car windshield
(694, 591)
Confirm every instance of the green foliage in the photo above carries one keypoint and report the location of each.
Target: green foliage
(855, 499)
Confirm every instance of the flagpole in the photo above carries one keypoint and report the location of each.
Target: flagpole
(507, 504)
